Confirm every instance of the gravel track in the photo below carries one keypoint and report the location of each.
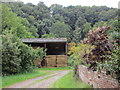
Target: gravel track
(34, 83)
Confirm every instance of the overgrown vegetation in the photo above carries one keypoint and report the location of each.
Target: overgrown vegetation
(99, 39)
(112, 65)
(101, 52)
(105, 55)
(78, 51)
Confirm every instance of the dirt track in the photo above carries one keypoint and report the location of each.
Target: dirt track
(36, 83)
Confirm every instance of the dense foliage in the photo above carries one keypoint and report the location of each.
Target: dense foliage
(105, 55)
(73, 21)
(99, 51)
(18, 57)
(100, 39)
(77, 52)
(112, 65)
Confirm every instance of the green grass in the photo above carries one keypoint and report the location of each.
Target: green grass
(68, 81)
(57, 68)
(12, 79)
(0, 81)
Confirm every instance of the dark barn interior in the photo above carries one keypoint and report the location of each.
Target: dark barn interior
(56, 50)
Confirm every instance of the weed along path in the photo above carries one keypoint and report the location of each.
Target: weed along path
(41, 82)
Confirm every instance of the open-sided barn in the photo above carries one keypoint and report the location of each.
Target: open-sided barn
(56, 50)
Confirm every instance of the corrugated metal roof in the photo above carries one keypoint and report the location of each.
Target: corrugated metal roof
(43, 40)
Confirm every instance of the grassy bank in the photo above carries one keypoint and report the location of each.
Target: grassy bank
(68, 81)
(12, 79)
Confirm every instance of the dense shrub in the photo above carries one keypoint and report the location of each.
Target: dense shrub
(112, 66)
(28, 54)
(16, 56)
(78, 51)
(105, 55)
(70, 61)
(27, 57)
(103, 47)
(10, 54)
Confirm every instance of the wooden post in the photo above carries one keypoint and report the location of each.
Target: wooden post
(66, 52)
(66, 48)
(45, 57)
(45, 45)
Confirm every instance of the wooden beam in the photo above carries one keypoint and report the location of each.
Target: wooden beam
(67, 52)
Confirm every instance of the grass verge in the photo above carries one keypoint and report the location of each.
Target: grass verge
(68, 81)
(57, 68)
(12, 79)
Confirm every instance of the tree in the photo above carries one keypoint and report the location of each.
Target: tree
(56, 8)
(77, 35)
(11, 22)
(61, 30)
(49, 35)
(34, 31)
(80, 22)
(30, 28)
(105, 16)
(99, 24)
(80, 32)
(57, 17)
(43, 26)
(42, 17)
(87, 27)
(114, 29)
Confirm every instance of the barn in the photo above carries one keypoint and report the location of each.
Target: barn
(56, 54)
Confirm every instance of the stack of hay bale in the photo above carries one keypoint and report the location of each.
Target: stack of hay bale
(51, 60)
(37, 63)
(56, 60)
(35, 47)
(62, 61)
